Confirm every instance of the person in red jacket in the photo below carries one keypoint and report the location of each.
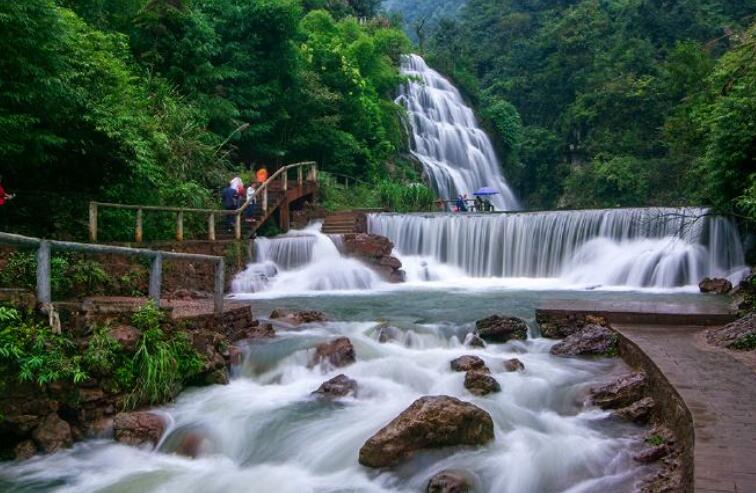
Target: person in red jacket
(3, 196)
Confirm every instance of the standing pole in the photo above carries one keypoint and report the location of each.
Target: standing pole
(93, 222)
(299, 175)
(237, 226)
(180, 226)
(156, 272)
(211, 227)
(265, 200)
(220, 272)
(44, 295)
(138, 230)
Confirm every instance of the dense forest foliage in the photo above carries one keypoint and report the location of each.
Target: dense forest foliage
(161, 101)
(611, 102)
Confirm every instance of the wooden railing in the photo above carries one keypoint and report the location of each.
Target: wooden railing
(45, 247)
(261, 197)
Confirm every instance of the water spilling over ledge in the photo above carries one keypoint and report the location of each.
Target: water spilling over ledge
(643, 247)
(456, 153)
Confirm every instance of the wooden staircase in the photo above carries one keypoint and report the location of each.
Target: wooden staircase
(343, 222)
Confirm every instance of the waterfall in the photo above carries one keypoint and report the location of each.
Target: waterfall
(456, 153)
(301, 262)
(659, 247)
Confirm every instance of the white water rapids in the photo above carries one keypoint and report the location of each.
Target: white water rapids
(264, 432)
(457, 155)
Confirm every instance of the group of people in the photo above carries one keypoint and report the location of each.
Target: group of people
(463, 204)
(236, 194)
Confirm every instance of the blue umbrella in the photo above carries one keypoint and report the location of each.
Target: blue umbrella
(486, 191)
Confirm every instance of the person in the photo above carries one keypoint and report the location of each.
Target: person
(262, 175)
(249, 213)
(478, 204)
(4, 197)
(230, 200)
(488, 205)
(460, 203)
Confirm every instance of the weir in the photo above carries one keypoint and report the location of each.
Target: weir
(643, 247)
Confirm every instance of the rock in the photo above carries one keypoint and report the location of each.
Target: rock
(591, 340)
(651, 454)
(388, 333)
(338, 352)
(623, 392)
(467, 362)
(101, 428)
(500, 328)
(473, 340)
(339, 386)
(25, 450)
(715, 286)
(137, 428)
(429, 422)
(559, 324)
(298, 318)
(219, 376)
(235, 356)
(374, 250)
(739, 335)
(52, 434)
(126, 336)
(449, 481)
(192, 445)
(481, 383)
(637, 412)
(514, 364)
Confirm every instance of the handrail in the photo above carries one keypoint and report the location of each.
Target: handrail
(261, 191)
(44, 247)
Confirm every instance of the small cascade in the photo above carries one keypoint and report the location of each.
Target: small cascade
(661, 247)
(300, 262)
(456, 153)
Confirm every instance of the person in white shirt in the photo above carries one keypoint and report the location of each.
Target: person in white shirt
(252, 200)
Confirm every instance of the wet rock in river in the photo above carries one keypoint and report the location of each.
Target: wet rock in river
(514, 364)
(474, 340)
(638, 412)
(591, 340)
(52, 434)
(25, 450)
(623, 392)
(338, 352)
(137, 428)
(479, 382)
(501, 328)
(715, 285)
(468, 362)
(430, 422)
(298, 318)
(449, 481)
(339, 386)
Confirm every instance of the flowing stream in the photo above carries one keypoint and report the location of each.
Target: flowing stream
(264, 432)
(456, 154)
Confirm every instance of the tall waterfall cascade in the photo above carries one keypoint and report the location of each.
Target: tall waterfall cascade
(660, 248)
(456, 154)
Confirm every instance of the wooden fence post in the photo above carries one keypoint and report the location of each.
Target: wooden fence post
(44, 295)
(285, 179)
(138, 230)
(92, 222)
(237, 226)
(220, 285)
(156, 272)
(211, 227)
(299, 175)
(179, 226)
(265, 200)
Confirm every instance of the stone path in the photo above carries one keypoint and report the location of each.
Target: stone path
(719, 388)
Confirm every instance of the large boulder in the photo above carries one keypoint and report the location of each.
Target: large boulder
(298, 318)
(52, 434)
(479, 382)
(374, 250)
(501, 328)
(467, 363)
(338, 352)
(715, 285)
(449, 481)
(138, 428)
(561, 324)
(638, 412)
(339, 386)
(430, 422)
(591, 340)
(621, 393)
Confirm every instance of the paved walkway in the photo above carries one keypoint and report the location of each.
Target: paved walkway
(719, 388)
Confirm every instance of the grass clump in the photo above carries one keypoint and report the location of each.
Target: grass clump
(655, 440)
(162, 362)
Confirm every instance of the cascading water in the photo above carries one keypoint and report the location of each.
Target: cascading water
(300, 262)
(456, 153)
(659, 248)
